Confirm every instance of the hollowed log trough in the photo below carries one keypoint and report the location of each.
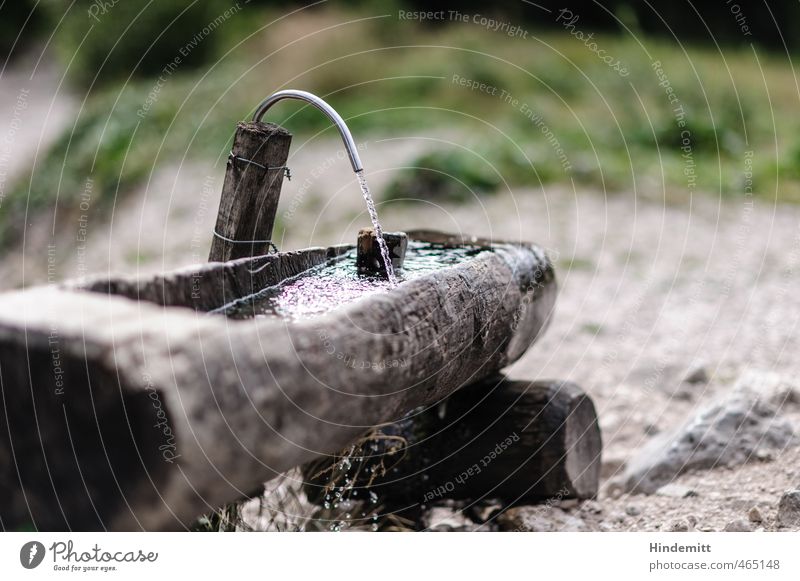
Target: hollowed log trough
(128, 405)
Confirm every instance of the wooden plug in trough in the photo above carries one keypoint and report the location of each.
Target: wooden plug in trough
(135, 403)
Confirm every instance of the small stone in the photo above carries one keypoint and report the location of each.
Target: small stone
(789, 509)
(651, 429)
(755, 515)
(539, 519)
(614, 489)
(739, 525)
(675, 491)
(697, 374)
(591, 506)
(444, 519)
(632, 510)
(684, 393)
(781, 391)
(611, 466)
(764, 455)
(679, 526)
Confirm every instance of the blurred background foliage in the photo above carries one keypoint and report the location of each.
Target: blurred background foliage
(388, 76)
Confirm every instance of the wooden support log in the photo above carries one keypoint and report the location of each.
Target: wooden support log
(124, 414)
(251, 191)
(369, 257)
(514, 441)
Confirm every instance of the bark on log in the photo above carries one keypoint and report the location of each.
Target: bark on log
(251, 191)
(514, 441)
(124, 414)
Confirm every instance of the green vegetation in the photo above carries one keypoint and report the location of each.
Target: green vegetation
(550, 110)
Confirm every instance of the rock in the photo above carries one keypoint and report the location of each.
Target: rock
(614, 489)
(540, 519)
(739, 525)
(727, 432)
(632, 510)
(754, 515)
(651, 429)
(778, 389)
(679, 526)
(789, 509)
(446, 519)
(696, 374)
(764, 455)
(611, 466)
(591, 507)
(675, 491)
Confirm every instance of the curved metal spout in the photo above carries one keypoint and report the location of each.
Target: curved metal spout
(347, 137)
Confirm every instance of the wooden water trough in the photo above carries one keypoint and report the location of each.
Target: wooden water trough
(135, 403)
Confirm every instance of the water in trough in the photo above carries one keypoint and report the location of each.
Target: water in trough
(338, 282)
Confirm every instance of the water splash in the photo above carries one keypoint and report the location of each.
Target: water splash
(373, 214)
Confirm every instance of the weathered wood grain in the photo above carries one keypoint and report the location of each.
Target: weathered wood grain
(251, 190)
(125, 414)
(512, 441)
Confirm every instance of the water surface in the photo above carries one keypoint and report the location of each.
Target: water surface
(329, 286)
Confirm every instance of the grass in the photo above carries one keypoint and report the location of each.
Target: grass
(574, 119)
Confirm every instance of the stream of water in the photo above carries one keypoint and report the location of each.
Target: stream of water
(373, 214)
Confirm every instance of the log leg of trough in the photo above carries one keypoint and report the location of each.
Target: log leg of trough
(516, 441)
(250, 192)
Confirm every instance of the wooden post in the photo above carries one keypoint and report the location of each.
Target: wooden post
(368, 257)
(516, 441)
(251, 191)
